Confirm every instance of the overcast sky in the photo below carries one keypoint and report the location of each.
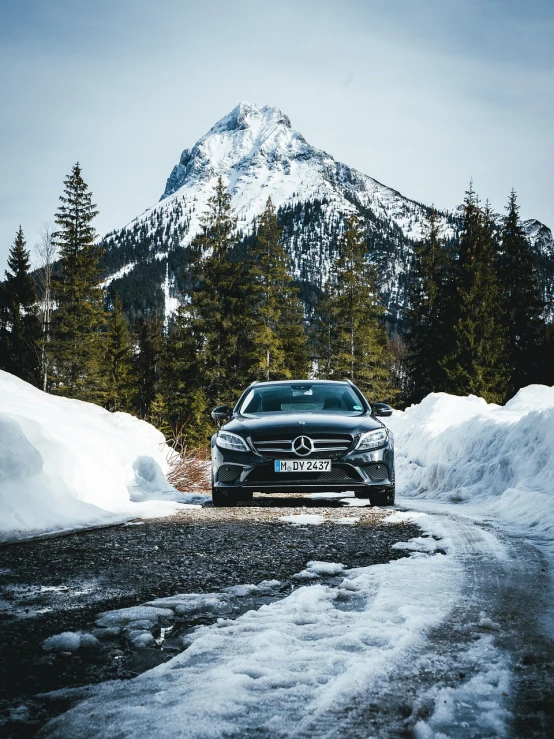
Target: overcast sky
(422, 96)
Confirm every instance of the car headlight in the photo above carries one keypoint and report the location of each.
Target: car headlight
(372, 439)
(227, 440)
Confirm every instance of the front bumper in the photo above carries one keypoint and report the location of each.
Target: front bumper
(247, 472)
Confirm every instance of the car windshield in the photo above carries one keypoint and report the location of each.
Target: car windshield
(301, 398)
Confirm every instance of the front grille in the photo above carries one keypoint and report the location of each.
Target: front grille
(376, 472)
(265, 473)
(228, 472)
(326, 446)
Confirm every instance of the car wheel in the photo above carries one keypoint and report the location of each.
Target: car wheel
(383, 497)
(221, 500)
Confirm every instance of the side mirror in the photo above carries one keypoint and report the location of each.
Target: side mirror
(382, 409)
(222, 413)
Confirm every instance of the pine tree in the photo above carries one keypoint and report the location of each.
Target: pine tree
(148, 364)
(292, 333)
(477, 363)
(523, 303)
(120, 379)
(19, 324)
(321, 333)
(427, 330)
(279, 342)
(185, 413)
(219, 302)
(359, 346)
(77, 346)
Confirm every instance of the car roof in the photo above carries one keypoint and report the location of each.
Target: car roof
(260, 383)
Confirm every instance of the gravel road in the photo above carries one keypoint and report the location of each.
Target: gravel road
(61, 584)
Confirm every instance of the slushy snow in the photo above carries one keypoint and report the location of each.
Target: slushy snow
(65, 464)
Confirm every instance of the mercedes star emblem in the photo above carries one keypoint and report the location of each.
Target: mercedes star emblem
(302, 446)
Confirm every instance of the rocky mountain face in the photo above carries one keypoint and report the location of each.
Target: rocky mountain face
(259, 155)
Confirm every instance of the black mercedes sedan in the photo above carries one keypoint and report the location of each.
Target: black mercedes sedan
(302, 436)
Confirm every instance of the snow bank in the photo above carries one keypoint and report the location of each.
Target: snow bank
(498, 458)
(65, 464)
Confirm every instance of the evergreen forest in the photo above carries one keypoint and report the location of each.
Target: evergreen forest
(476, 322)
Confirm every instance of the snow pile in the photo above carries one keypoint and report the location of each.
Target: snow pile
(315, 569)
(65, 464)
(70, 641)
(151, 614)
(498, 458)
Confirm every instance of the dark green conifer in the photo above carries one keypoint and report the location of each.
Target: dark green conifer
(120, 379)
(523, 305)
(279, 341)
(185, 412)
(219, 302)
(477, 363)
(148, 363)
(321, 333)
(19, 323)
(358, 344)
(428, 334)
(292, 334)
(77, 345)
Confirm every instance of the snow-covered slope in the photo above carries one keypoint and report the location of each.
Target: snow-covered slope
(65, 464)
(258, 154)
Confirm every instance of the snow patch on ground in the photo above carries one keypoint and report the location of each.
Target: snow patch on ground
(486, 693)
(124, 616)
(70, 641)
(348, 520)
(65, 465)
(303, 519)
(426, 545)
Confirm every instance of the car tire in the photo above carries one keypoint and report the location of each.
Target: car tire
(222, 500)
(383, 497)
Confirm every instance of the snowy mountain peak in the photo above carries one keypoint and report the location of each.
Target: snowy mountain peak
(249, 115)
(258, 155)
(248, 134)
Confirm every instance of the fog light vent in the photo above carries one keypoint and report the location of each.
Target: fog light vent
(228, 473)
(376, 472)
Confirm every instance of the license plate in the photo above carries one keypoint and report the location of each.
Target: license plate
(302, 465)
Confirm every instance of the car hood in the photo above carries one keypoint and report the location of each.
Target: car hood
(296, 424)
